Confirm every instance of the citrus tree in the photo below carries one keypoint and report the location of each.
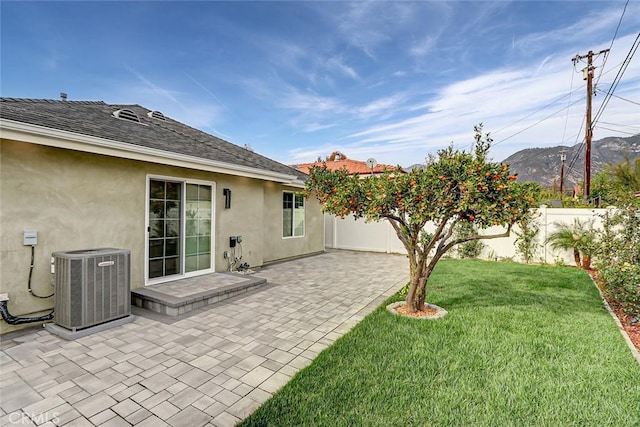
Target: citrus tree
(455, 186)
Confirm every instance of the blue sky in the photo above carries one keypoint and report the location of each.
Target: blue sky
(297, 80)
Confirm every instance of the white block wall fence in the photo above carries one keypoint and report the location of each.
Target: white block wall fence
(359, 235)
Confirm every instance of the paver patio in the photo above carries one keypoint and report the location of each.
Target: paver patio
(213, 366)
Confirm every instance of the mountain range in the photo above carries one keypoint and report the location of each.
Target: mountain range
(543, 165)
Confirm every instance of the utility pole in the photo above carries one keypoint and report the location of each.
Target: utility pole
(588, 76)
(563, 157)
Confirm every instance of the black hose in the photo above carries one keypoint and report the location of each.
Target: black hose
(13, 320)
(33, 248)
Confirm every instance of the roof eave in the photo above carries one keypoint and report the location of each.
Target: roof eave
(34, 134)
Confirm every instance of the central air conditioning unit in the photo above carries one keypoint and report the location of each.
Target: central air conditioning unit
(92, 286)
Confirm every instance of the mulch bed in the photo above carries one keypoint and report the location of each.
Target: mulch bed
(632, 330)
(404, 311)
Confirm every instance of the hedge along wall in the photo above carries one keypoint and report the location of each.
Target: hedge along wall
(359, 235)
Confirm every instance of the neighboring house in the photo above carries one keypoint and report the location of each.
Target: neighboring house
(87, 174)
(333, 225)
(337, 160)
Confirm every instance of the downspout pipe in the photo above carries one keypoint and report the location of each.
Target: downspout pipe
(13, 320)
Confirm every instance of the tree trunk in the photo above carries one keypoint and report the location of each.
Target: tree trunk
(413, 285)
(576, 257)
(417, 295)
(586, 262)
(410, 299)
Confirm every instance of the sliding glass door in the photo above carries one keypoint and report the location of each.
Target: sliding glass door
(198, 228)
(179, 229)
(165, 208)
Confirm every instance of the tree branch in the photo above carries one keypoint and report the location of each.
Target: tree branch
(478, 237)
(443, 246)
(436, 235)
(396, 218)
(397, 227)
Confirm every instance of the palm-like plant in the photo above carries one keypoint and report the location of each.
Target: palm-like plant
(579, 237)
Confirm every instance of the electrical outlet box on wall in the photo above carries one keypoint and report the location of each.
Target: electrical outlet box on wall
(30, 238)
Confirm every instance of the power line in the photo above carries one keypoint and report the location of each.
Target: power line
(531, 114)
(616, 80)
(537, 123)
(620, 125)
(577, 152)
(615, 34)
(575, 157)
(610, 93)
(616, 130)
(579, 149)
(619, 97)
(588, 126)
(590, 89)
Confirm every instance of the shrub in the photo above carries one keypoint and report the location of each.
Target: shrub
(526, 238)
(470, 249)
(619, 257)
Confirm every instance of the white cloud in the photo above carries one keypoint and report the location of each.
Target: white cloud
(422, 47)
(308, 103)
(501, 99)
(382, 107)
(368, 24)
(582, 33)
(314, 127)
(404, 125)
(336, 63)
(358, 27)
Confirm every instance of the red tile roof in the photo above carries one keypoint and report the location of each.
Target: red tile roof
(338, 160)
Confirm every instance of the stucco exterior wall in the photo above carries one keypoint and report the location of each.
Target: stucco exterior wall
(275, 246)
(78, 201)
(244, 218)
(74, 201)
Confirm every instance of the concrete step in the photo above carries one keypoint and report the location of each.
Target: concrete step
(185, 295)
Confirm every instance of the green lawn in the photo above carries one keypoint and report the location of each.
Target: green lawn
(522, 346)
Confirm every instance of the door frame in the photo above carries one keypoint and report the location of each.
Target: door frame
(183, 222)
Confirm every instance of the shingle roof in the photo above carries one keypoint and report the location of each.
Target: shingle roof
(95, 118)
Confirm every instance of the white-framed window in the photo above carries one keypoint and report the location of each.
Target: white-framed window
(292, 214)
